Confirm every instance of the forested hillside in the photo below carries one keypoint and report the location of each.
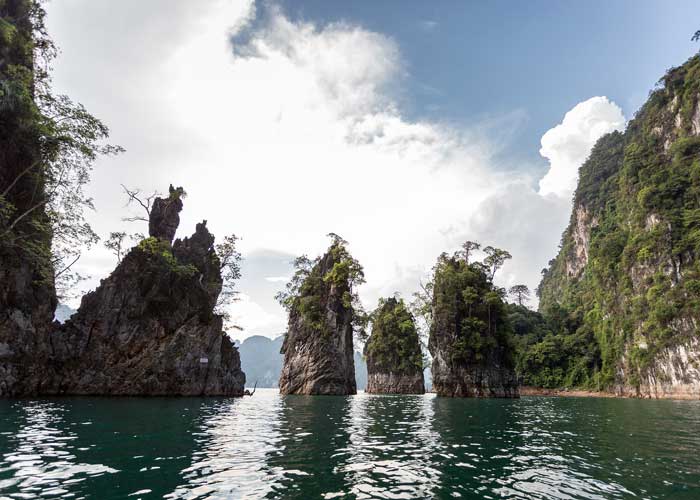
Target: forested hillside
(622, 297)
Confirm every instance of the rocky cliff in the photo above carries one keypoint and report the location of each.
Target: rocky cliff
(149, 328)
(469, 333)
(628, 273)
(27, 292)
(393, 352)
(318, 345)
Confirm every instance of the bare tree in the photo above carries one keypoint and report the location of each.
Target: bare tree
(145, 201)
(521, 293)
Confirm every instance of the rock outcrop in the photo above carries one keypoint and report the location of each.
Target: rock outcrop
(469, 334)
(318, 345)
(149, 328)
(393, 352)
(627, 276)
(27, 292)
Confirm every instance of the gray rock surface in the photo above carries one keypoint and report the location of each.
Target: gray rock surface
(320, 360)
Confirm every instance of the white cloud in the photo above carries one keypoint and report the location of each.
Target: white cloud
(529, 223)
(567, 145)
(291, 131)
(254, 319)
(277, 279)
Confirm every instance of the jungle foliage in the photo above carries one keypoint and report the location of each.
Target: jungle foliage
(638, 291)
(49, 146)
(394, 345)
(335, 274)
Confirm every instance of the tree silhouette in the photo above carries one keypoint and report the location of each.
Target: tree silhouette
(521, 293)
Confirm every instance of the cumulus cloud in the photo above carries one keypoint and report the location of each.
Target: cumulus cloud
(283, 131)
(567, 145)
(529, 223)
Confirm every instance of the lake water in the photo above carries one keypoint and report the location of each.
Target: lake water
(364, 446)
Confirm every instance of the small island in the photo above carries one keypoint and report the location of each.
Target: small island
(393, 351)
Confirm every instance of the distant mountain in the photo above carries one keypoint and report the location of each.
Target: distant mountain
(261, 360)
(63, 312)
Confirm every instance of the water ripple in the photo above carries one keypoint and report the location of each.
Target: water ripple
(362, 447)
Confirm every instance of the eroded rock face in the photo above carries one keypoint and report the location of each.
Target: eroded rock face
(165, 215)
(491, 380)
(673, 374)
(26, 313)
(468, 335)
(149, 328)
(27, 293)
(393, 352)
(318, 345)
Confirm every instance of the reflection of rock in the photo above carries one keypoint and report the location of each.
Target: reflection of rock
(149, 328)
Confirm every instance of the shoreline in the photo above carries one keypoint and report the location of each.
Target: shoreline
(526, 390)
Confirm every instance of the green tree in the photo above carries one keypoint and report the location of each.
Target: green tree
(468, 249)
(49, 148)
(307, 290)
(495, 258)
(394, 345)
(230, 267)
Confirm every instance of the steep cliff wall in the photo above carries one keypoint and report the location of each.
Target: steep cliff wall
(318, 345)
(628, 270)
(393, 352)
(27, 293)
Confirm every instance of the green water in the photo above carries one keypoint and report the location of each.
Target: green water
(365, 446)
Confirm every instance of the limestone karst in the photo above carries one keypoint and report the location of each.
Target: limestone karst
(323, 312)
(393, 351)
(625, 284)
(469, 333)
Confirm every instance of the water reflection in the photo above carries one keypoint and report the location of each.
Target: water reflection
(314, 431)
(38, 457)
(391, 447)
(388, 447)
(232, 440)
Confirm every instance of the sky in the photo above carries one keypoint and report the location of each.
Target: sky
(406, 127)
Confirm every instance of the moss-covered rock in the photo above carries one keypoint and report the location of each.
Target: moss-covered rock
(393, 351)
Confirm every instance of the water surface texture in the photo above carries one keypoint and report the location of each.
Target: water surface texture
(394, 447)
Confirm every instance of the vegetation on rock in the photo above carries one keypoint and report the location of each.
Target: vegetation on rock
(49, 148)
(307, 292)
(469, 329)
(394, 345)
(324, 314)
(625, 284)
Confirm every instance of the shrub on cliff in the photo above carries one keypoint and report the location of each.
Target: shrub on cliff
(308, 291)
